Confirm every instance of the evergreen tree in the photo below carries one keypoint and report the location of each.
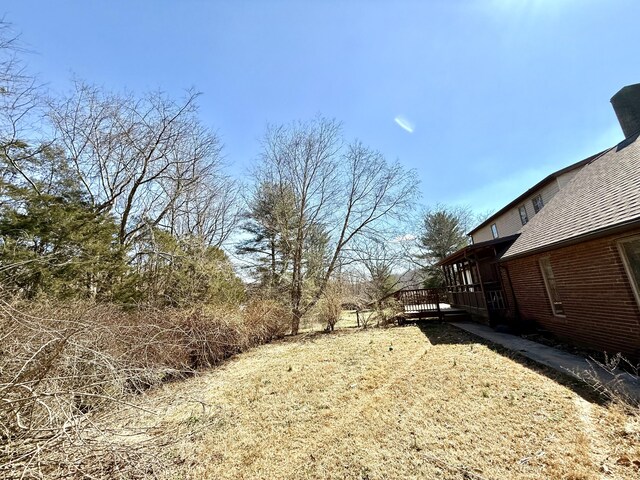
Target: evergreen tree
(269, 222)
(184, 272)
(57, 245)
(443, 233)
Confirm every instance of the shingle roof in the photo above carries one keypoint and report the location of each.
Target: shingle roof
(536, 187)
(496, 242)
(605, 194)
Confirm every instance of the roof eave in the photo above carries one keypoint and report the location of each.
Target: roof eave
(537, 186)
(476, 246)
(592, 235)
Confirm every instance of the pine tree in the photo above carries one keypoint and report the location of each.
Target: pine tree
(56, 244)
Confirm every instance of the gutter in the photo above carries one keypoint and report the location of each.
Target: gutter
(592, 235)
(539, 185)
(477, 246)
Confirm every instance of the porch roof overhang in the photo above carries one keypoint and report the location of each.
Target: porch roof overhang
(475, 248)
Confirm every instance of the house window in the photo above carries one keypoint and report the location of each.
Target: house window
(524, 218)
(494, 231)
(631, 255)
(552, 288)
(537, 203)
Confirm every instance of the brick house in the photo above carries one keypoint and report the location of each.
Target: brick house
(474, 279)
(569, 250)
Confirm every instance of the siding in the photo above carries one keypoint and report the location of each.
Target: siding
(601, 311)
(567, 177)
(509, 222)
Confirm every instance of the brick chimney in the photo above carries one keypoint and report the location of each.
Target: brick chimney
(626, 104)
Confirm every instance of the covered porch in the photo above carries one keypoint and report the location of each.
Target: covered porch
(474, 282)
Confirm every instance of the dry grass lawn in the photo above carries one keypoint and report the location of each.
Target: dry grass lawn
(410, 402)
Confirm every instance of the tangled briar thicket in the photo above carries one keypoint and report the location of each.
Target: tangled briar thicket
(61, 363)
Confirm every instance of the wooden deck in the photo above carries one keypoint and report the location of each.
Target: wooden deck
(425, 303)
(444, 314)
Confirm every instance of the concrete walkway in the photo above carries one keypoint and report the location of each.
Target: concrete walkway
(578, 367)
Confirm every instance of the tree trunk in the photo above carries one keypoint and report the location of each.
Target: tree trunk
(296, 315)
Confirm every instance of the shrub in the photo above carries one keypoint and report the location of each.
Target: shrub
(330, 307)
(62, 363)
(266, 320)
(387, 313)
(366, 316)
(211, 335)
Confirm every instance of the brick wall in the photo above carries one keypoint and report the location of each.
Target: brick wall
(601, 311)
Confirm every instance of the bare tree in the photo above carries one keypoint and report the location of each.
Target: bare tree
(347, 190)
(148, 161)
(210, 211)
(379, 259)
(19, 113)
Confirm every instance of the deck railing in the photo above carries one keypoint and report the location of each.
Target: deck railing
(467, 296)
(419, 303)
(421, 300)
(495, 300)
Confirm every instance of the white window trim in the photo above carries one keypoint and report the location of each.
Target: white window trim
(495, 234)
(546, 286)
(627, 266)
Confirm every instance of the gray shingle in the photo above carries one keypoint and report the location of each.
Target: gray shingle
(604, 194)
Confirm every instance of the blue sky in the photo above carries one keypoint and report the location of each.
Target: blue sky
(499, 93)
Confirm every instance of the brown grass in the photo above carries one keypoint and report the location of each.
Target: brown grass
(394, 403)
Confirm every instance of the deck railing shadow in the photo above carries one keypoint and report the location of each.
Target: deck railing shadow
(440, 333)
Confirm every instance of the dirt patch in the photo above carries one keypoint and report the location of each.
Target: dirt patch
(394, 403)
